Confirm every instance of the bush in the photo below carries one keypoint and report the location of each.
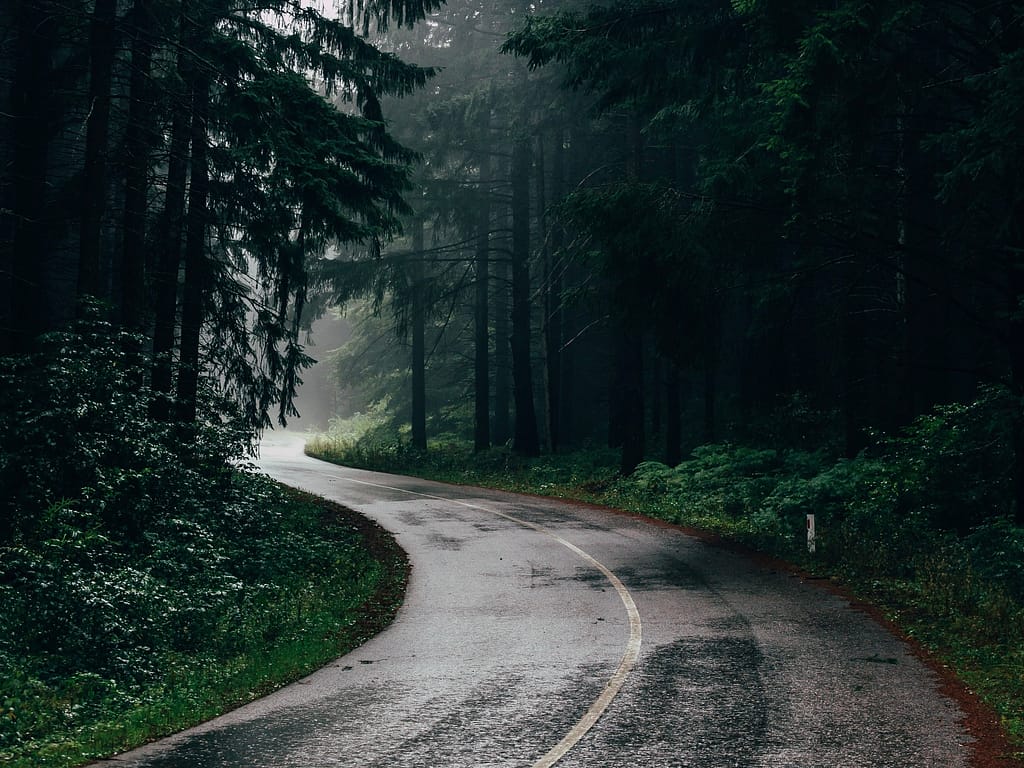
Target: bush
(76, 427)
(956, 461)
(138, 556)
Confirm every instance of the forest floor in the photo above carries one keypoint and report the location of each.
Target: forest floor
(51, 719)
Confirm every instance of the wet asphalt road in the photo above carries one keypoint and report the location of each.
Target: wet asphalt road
(527, 621)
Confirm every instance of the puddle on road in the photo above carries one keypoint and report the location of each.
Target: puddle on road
(446, 543)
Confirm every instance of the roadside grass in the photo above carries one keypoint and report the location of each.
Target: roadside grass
(882, 524)
(310, 586)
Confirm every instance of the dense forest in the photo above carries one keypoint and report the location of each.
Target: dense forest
(647, 224)
(173, 174)
(656, 225)
(658, 228)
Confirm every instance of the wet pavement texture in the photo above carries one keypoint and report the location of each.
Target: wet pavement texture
(507, 637)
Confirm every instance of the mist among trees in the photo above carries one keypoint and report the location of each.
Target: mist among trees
(701, 236)
(655, 225)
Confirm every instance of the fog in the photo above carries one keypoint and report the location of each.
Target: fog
(317, 399)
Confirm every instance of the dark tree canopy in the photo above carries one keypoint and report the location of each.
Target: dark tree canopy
(770, 203)
(247, 169)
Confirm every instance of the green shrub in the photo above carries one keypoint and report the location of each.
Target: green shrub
(996, 553)
(145, 575)
(956, 461)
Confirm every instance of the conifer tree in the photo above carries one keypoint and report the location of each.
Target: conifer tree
(525, 438)
(258, 176)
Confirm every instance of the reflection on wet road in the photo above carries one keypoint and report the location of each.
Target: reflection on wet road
(514, 628)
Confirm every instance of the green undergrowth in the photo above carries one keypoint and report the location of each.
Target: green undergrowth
(918, 524)
(149, 579)
(220, 613)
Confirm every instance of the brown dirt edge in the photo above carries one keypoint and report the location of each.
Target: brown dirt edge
(374, 615)
(380, 608)
(990, 749)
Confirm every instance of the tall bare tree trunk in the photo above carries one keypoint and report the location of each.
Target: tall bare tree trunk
(102, 43)
(419, 391)
(855, 406)
(553, 324)
(31, 96)
(138, 143)
(627, 397)
(673, 417)
(481, 330)
(169, 239)
(540, 206)
(196, 266)
(1015, 341)
(501, 431)
(525, 440)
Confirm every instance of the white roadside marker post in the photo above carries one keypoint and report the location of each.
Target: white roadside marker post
(810, 534)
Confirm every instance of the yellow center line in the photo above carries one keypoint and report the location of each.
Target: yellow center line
(629, 657)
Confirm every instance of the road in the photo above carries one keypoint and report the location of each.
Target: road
(539, 633)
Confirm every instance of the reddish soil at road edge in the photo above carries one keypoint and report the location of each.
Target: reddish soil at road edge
(991, 747)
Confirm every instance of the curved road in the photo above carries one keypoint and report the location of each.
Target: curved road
(539, 633)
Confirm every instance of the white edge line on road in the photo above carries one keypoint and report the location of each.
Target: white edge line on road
(629, 658)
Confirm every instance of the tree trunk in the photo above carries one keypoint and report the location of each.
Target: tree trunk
(1018, 473)
(481, 330)
(540, 205)
(626, 404)
(710, 359)
(1017, 372)
(1015, 331)
(31, 96)
(526, 440)
(500, 428)
(1015, 339)
(169, 242)
(553, 324)
(628, 399)
(710, 391)
(138, 143)
(419, 393)
(854, 380)
(196, 266)
(102, 42)
(657, 390)
(673, 417)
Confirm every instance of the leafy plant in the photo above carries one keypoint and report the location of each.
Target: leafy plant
(147, 579)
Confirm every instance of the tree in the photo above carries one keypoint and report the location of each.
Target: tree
(641, 60)
(905, 94)
(461, 129)
(246, 213)
(525, 439)
(481, 300)
(33, 104)
(102, 49)
(552, 324)
(139, 141)
(417, 310)
(169, 229)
